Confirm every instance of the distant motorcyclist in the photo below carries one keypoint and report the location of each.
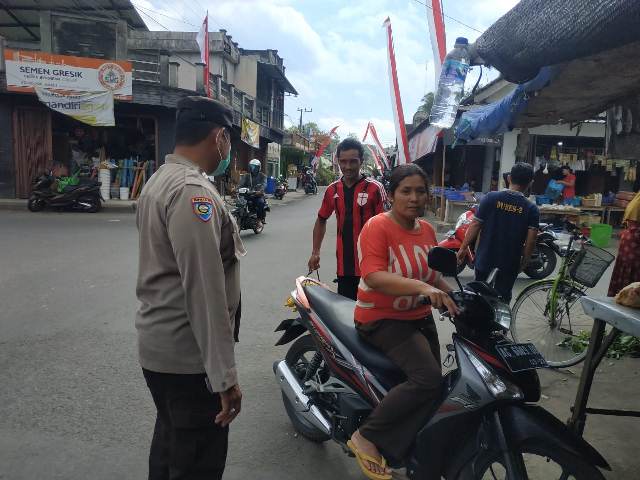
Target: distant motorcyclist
(256, 181)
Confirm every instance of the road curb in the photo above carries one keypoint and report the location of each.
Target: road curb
(129, 206)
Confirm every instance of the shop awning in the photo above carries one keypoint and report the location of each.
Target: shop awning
(20, 19)
(536, 33)
(501, 116)
(276, 72)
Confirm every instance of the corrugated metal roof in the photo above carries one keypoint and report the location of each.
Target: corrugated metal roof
(20, 19)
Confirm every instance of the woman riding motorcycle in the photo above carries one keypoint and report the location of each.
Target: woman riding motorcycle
(392, 250)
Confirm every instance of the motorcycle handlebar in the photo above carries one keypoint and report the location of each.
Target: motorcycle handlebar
(424, 300)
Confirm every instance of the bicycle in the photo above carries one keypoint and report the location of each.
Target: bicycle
(555, 300)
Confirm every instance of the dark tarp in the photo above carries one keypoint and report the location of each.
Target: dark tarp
(536, 33)
(500, 117)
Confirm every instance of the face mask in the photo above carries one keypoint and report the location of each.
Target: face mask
(224, 163)
(222, 166)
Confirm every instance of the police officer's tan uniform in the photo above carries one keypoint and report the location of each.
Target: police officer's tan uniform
(189, 292)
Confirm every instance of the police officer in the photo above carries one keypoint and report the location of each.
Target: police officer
(189, 290)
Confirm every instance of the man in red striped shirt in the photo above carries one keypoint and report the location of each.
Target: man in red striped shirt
(354, 199)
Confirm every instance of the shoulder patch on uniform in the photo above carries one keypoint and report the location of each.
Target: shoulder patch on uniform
(202, 207)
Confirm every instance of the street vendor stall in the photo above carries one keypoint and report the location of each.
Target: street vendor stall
(578, 215)
(605, 311)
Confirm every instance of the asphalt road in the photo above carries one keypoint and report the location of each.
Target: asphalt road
(73, 403)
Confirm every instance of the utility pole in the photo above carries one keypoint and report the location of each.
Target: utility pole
(303, 110)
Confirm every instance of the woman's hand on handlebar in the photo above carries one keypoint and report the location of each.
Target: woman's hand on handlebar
(440, 300)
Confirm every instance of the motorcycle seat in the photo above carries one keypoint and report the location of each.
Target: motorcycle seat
(336, 312)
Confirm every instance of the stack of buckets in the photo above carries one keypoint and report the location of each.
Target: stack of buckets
(104, 178)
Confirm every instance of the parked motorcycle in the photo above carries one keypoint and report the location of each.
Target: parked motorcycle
(84, 197)
(281, 188)
(485, 423)
(245, 211)
(543, 258)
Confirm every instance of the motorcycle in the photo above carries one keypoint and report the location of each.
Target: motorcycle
(543, 258)
(85, 197)
(485, 422)
(281, 188)
(310, 184)
(245, 211)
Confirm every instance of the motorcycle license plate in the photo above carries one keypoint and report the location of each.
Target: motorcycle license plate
(521, 356)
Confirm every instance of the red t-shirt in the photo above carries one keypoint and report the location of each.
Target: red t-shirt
(353, 207)
(569, 192)
(384, 246)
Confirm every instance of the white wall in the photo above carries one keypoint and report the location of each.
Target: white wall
(247, 75)
(587, 130)
(186, 70)
(508, 157)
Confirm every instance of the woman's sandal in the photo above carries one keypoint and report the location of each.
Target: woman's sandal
(363, 457)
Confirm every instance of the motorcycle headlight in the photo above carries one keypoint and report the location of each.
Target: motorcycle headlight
(503, 314)
(500, 388)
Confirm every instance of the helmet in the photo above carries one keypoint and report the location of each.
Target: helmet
(255, 165)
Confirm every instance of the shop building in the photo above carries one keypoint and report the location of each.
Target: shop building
(159, 69)
(547, 147)
(252, 82)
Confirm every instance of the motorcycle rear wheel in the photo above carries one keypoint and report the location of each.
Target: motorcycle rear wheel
(35, 204)
(96, 205)
(541, 460)
(549, 261)
(298, 356)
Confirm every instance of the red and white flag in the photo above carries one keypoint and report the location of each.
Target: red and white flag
(203, 42)
(379, 163)
(438, 36)
(376, 141)
(398, 115)
(326, 142)
(427, 140)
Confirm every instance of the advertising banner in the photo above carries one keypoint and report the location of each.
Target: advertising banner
(250, 133)
(91, 108)
(29, 69)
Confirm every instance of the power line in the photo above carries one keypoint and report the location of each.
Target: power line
(156, 21)
(450, 17)
(183, 20)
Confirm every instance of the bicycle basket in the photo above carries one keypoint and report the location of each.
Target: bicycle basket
(590, 264)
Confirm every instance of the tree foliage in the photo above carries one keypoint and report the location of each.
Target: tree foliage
(427, 103)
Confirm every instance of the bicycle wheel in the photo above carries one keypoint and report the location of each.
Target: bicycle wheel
(532, 321)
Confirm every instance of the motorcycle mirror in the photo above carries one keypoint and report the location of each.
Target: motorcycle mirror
(444, 261)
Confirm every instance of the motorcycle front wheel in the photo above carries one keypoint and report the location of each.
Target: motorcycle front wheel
(298, 358)
(540, 461)
(35, 204)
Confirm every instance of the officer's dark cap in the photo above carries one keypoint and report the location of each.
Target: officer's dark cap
(204, 109)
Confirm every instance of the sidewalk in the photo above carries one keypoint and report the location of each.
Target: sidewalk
(128, 206)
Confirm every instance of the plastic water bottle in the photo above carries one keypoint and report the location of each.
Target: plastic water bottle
(451, 85)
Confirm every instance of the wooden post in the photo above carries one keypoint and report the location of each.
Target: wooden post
(442, 198)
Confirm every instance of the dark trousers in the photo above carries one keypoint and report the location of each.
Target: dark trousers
(261, 205)
(413, 346)
(187, 444)
(504, 282)
(348, 286)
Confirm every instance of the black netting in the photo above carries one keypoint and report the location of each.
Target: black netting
(536, 33)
